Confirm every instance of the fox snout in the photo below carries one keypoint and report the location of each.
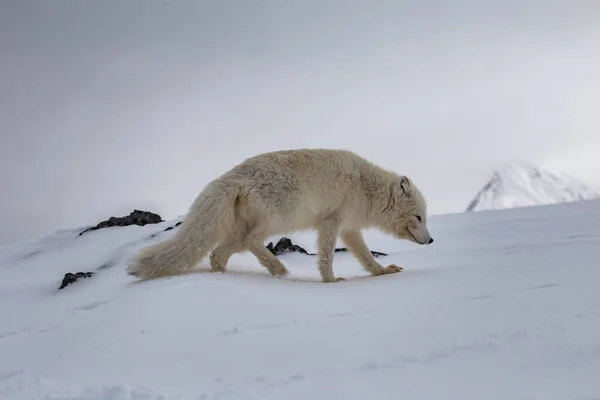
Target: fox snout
(420, 236)
(427, 241)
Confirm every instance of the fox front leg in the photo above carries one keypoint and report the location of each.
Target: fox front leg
(357, 246)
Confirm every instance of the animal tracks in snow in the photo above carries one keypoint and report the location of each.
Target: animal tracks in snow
(546, 286)
(29, 330)
(529, 288)
(92, 305)
(482, 297)
(240, 330)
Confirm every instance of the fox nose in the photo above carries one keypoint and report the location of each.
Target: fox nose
(430, 240)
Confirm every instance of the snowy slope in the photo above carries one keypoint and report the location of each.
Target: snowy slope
(524, 184)
(504, 305)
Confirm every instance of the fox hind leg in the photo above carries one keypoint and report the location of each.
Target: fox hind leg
(222, 253)
(254, 242)
(268, 259)
(327, 231)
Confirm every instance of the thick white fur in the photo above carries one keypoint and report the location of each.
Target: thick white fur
(335, 192)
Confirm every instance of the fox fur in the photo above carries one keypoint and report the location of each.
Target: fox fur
(334, 192)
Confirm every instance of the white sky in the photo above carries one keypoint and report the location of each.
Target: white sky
(106, 106)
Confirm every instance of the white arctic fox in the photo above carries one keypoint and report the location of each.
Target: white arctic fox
(334, 192)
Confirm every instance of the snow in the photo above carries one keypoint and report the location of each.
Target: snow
(504, 305)
(524, 184)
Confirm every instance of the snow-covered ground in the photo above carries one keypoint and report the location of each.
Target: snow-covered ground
(524, 184)
(504, 305)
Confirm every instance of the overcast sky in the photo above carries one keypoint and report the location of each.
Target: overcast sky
(111, 105)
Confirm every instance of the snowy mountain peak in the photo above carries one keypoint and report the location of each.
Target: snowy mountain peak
(522, 184)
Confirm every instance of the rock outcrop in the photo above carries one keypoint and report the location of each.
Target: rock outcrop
(137, 217)
(73, 277)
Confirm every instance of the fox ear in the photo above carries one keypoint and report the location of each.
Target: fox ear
(405, 186)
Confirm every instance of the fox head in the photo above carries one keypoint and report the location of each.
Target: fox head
(406, 213)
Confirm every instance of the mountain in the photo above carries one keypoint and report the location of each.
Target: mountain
(497, 308)
(524, 184)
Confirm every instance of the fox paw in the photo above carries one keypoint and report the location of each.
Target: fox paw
(335, 280)
(278, 270)
(392, 269)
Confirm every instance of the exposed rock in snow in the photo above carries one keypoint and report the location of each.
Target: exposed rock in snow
(73, 277)
(523, 184)
(136, 217)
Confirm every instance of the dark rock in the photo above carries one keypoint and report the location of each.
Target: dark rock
(375, 253)
(378, 254)
(285, 245)
(171, 227)
(137, 217)
(166, 229)
(72, 278)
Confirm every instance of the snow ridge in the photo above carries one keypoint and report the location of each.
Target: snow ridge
(523, 184)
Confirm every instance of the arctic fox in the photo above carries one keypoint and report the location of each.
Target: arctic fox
(334, 192)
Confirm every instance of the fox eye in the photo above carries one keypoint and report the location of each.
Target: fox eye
(419, 218)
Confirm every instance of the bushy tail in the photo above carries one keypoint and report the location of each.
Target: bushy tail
(209, 217)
